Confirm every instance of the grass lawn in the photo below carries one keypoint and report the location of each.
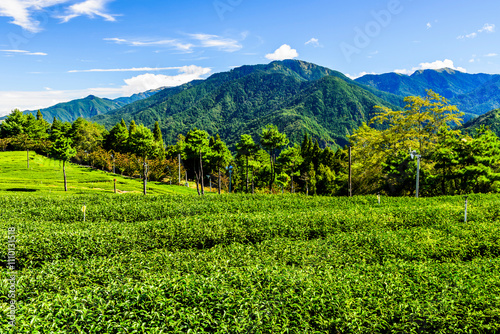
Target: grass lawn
(46, 176)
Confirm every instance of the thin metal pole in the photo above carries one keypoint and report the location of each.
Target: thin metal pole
(350, 172)
(418, 173)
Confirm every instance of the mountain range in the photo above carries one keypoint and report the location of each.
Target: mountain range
(296, 96)
(88, 106)
(473, 94)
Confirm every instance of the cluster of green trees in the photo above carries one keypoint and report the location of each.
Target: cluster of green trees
(453, 162)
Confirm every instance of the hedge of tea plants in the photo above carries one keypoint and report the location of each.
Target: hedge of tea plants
(251, 264)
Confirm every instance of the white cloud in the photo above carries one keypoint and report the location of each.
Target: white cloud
(284, 52)
(24, 52)
(149, 81)
(89, 8)
(198, 41)
(133, 69)
(429, 25)
(214, 41)
(184, 47)
(438, 64)
(359, 75)
(48, 97)
(491, 55)
(22, 11)
(313, 42)
(487, 28)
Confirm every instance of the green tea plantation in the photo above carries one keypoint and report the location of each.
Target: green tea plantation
(249, 264)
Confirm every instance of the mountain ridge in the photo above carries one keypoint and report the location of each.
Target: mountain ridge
(290, 94)
(458, 87)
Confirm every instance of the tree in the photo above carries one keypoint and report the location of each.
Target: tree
(142, 143)
(63, 150)
(418, 123)
(25, 131)
(159, 140)
(247, 149)
(196, 146)
(87, 136)
(415, 127)
(272, 140)
(290, 160)
(219, 155)
(117, 138)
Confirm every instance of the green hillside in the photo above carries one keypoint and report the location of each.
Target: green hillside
(482, 99)
(295, 95)
(491, 120)
(46, 176)
(473, 94)
(88, 107)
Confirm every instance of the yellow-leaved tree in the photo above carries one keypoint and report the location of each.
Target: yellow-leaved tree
(415, 127)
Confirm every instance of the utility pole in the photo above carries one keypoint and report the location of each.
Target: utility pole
(350, 172)
(414, 154)
(230, 172)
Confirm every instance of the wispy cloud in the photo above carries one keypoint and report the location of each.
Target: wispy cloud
(195, 41)
(429, 25)
(436, 65)
(90, 8)
(283, 52)
(174, 43)
(314, 42)
(355, 76)
(214, 41)
(491, 55)
(24, 52)
(487, 28)
(22, 12)
(32, 100)
(132, 69)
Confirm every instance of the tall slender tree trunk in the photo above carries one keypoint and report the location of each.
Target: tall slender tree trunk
(247, 177)
(196, 177)
(272, 172)
(64, 173)
(443, 183)
(202, 177)
(219, 180)
(253, 187)
(145, 178)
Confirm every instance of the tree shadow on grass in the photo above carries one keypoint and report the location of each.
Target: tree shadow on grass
(22, 190)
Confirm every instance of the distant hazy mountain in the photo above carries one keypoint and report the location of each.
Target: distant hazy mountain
(296, 96)
(472, 93)
(491, 119)
(88, 107)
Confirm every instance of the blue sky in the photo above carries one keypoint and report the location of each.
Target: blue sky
(58, 50)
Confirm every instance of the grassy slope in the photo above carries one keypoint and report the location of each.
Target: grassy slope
(46, 176)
